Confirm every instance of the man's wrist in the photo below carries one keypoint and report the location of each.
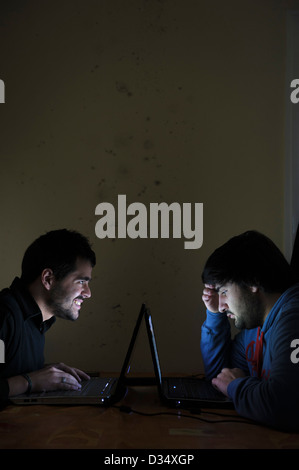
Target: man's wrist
(29, 383)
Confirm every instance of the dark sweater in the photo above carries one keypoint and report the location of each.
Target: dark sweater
(22, 330)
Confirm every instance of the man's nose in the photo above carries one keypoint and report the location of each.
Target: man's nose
(86, 292)
(222, 306)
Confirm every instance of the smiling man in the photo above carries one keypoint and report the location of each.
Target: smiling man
(249, 281)
(56, 271)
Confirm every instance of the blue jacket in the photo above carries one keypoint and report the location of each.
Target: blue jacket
(269, 356)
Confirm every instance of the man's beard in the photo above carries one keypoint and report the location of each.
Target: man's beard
(61, 305)
(252, 313)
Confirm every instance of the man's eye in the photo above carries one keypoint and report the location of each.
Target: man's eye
(224, 292)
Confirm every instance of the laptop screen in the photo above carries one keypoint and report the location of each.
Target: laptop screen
(126, 365)
(152, 340)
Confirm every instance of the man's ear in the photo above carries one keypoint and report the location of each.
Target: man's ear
(47, 278)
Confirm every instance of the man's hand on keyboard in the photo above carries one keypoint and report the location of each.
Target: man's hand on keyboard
(57, 377)
(226, 376)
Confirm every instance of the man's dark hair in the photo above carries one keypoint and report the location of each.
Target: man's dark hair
(250, 259)
(57, 250)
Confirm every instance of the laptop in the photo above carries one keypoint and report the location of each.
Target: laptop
(183, 392)
(102, 391)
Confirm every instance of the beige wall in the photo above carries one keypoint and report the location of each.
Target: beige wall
(162, 101)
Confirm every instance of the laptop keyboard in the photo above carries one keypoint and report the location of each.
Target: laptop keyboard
(96, 386)
(191, 388)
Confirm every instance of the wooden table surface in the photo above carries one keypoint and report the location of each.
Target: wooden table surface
(92, 427)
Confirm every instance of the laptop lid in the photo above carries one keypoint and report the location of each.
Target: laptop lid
(126, 365)
(207, 395)
(98, 390)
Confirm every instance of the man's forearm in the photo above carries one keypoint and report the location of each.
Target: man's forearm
(17, 385)
(215, 343)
